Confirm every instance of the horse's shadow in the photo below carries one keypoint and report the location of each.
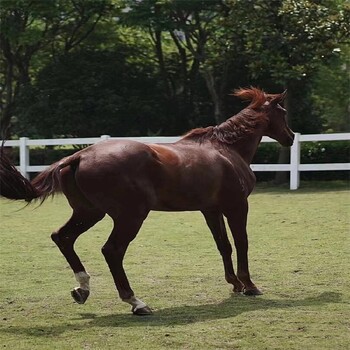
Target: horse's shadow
(178, 315)
(228, 308)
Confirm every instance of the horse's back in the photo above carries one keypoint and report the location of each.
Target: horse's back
(112, 154)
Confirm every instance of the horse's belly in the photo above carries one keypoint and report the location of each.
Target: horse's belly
(182, 199)
(167, 206)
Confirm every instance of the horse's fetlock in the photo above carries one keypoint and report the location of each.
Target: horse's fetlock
(84, 279)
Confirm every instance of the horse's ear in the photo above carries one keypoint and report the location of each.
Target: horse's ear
(278, 99)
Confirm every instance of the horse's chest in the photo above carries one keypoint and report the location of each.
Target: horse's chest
(241, 179)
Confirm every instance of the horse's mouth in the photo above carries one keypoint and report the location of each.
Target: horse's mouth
(290, 138)
(289, 142)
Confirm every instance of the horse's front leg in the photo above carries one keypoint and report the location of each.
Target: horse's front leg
(237, 220)
(216, 224)
(125, 230)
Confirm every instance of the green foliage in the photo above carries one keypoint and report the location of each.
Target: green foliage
(284, 43)
(287, 40)
(108, 95)
(331, 92)
(31, 33)
(184, 58)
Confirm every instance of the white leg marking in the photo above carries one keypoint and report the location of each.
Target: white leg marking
(84, 280)
(135, 303)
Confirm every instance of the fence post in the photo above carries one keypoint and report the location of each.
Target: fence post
(104, 137)
(294, 163)
(23, 156)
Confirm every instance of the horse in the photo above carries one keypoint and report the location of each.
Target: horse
(206, 170)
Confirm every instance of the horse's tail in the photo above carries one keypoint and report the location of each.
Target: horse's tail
(15, 186)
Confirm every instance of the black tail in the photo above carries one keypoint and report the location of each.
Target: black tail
(15, 186)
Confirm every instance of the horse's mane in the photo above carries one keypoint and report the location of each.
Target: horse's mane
(243, 123)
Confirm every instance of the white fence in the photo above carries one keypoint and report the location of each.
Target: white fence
(294, 167)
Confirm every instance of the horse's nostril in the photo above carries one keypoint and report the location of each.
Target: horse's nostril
(291, 134)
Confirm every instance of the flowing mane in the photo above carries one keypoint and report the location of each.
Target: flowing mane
(239, 125)
(257, 97)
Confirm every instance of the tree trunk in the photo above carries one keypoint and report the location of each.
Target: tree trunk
(283, 157)
(169, 89)
(218, 108)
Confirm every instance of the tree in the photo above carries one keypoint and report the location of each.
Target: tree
(109, 95)
(192, 52)
(29, 27)
(331, 94)
(180, 32)
(286, 41)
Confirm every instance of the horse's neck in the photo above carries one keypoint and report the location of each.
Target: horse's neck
(247, 147)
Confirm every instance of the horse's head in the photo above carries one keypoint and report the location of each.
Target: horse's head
(277, 127)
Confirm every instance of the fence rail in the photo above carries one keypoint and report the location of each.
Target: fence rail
(294, 167)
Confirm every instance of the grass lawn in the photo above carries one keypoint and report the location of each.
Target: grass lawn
(299, 257)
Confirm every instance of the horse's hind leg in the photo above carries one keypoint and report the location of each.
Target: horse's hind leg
(65, 237)
(126, 227)
(216, 224)
(84, 216)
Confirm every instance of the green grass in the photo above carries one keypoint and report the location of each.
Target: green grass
(299, 257)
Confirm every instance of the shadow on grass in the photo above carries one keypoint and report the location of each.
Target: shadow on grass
(177, 315)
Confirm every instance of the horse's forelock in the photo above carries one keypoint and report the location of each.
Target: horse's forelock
(257, 97)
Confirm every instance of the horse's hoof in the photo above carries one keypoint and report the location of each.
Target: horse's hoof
(142, 311)
(252, 292)
(80, 295)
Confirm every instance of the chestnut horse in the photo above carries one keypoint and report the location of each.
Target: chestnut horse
(206, 170)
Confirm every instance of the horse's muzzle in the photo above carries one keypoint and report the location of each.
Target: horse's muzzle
(289, 138)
